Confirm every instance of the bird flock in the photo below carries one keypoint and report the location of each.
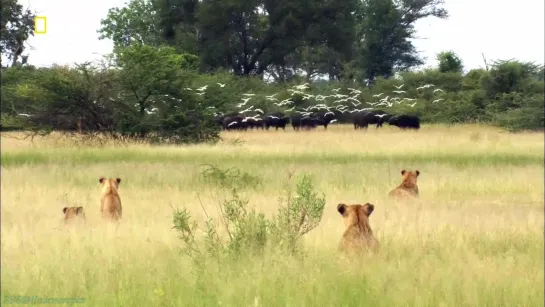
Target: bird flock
(333, 105)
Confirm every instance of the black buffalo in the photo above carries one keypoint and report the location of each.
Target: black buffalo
(384, 118)
(234, 123)
(405, 121)
(311, 121)
(364, 119)
(276, 120)
(252, 122)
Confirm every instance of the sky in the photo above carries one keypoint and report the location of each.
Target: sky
(498, 29)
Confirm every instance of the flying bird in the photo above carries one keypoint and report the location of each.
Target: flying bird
(221, 84)
(399, 87)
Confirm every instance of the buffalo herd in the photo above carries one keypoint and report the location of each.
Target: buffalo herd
(360, 119)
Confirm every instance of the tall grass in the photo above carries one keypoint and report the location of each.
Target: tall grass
(474, 239)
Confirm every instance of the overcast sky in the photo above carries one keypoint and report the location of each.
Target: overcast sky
(499, 29)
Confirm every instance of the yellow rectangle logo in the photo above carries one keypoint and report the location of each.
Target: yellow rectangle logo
(40, 25)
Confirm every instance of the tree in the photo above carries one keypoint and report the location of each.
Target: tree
(134, 23)
(178, 23)
(385, 29)
(449, 62)
(249, 36)
(153, 100)
(16, 26)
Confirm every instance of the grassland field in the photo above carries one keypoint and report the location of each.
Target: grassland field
(474, 239)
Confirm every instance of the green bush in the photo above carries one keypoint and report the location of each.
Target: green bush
(249, 233)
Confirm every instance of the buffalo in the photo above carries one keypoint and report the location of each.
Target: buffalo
(311, 121)
(405, 121)
(234, 123)
(364, 119)
(252, 122)
(276, 120)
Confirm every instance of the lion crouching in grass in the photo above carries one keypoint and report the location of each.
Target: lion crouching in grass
(408, 189)
(73, 216)
(358, 236)
(110, 202)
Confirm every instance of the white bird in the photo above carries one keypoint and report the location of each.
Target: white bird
(438, 90)
(221, 84)
(247, 110)
(331, 122)
(273, 117)
(233, 123)
(425, 86)
(188, 88)
(302, 87)
(200, 89)
(245, 99)
(378, 95)
(200, 94)
(398, 87)
(259, 111)
(248, 94)
(355, 104)
(437, 100)
(270, 96)
(286, 101)
(399, 92)
(380, 115)
(412, 105)
(23, 114)
(337, 89)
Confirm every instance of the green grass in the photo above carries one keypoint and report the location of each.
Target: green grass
(474, 239)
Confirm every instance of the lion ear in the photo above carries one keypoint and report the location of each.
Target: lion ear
(80, 210)
(64, 210)
(341, 208)
(118, 180)
(370, 208)
(101, 179)
(403, 172)
(417, 173)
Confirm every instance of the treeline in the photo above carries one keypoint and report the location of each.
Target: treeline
(162, 48)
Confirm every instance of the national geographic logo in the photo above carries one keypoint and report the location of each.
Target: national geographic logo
(36, 300)
(40, 25)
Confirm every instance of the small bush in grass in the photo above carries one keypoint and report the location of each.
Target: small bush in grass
(249, 233)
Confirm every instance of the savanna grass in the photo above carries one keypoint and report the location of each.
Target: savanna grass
(474, 239)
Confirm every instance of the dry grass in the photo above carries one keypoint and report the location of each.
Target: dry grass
(474, 239)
